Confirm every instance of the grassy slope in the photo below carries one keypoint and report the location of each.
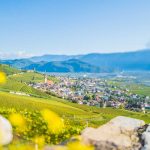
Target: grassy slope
(31, 103)
(140, 89)
(16, 81)
(13, 85)
(30, 76)
(73, 112)
(134, 88)
(8, 70)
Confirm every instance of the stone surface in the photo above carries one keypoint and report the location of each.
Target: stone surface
(119, 133)
(146, 139)
(6, 135)
(148, 129)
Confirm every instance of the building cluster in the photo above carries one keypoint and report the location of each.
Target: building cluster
(93, 92)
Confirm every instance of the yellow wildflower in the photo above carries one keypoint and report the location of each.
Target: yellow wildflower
(17, 120)
(2, 78)
(55, 123)
(79, 146)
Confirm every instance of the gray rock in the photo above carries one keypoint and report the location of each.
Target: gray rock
(119, 133)
(146, 139)
(148, 129)
(5, 131)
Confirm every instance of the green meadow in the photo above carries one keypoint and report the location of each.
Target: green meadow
(134, 88)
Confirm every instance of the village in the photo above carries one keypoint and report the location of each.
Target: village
(93, 92)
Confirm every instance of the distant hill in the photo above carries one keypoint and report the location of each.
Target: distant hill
(94, 62)
(129, 61)
(17, 63)
(72, 65)
(50, 58)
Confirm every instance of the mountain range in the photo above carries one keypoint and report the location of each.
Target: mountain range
(94, 62)
(71, 65)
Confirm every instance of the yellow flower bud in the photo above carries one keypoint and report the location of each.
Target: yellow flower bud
(17, 120)
(2, 78)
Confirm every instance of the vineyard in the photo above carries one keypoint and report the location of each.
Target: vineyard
(15, 86)
(8, 70)
(95, 116)
(33, 77)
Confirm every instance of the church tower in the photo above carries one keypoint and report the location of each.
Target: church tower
(45, 78)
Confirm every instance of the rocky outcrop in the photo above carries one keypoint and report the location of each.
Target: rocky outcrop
(118, 134)
(146, 139)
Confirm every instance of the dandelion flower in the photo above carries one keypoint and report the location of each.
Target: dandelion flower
(17, 120)
(2, 78)
(55, 123)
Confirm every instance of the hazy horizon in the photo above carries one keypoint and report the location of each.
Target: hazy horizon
(6, 56)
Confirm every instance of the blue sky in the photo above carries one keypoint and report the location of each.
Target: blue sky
(35, 27)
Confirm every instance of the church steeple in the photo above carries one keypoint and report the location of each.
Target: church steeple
(45, 76)
(45, 80)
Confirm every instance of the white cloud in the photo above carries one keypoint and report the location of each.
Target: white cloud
(15, 55)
